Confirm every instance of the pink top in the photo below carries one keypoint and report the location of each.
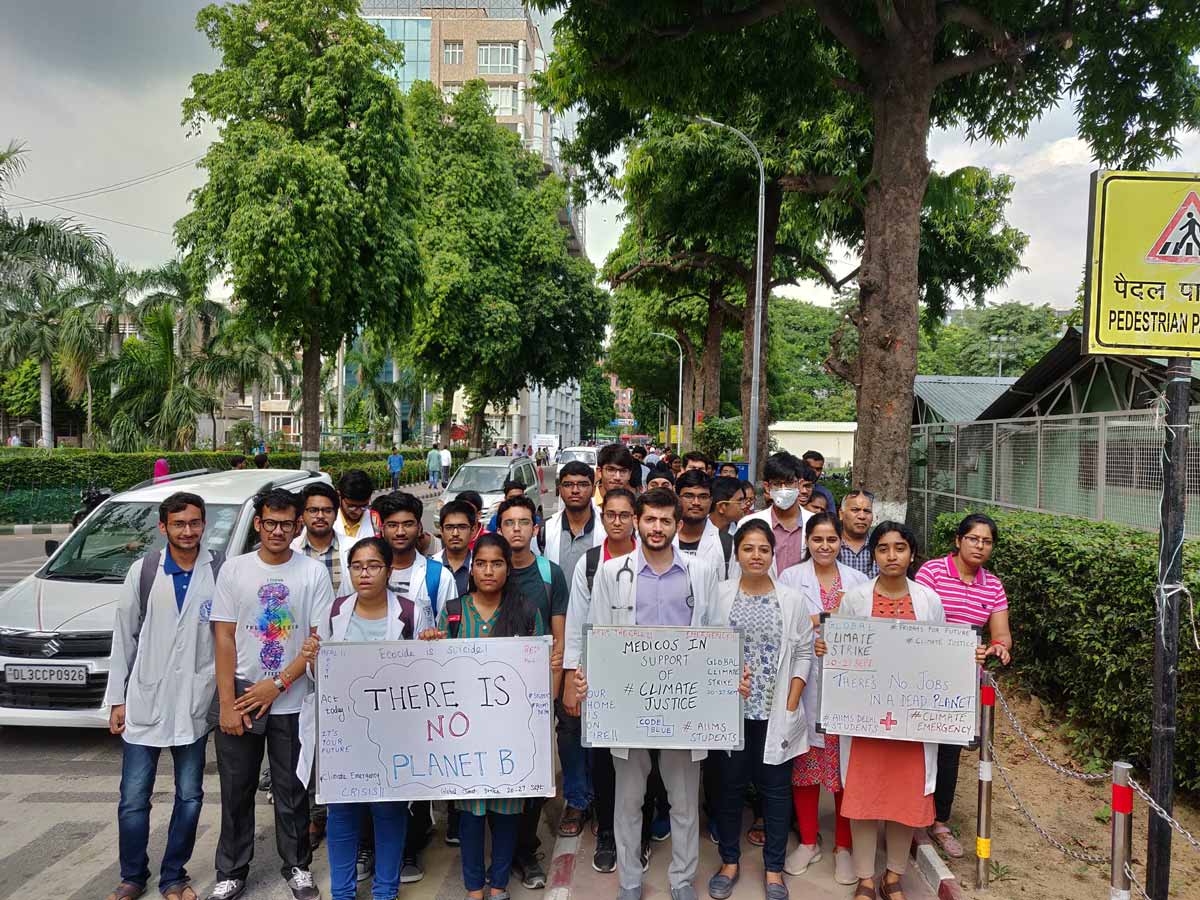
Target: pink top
(789, 545)
(965, 604)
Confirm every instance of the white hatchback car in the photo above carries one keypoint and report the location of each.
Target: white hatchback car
(56, 624)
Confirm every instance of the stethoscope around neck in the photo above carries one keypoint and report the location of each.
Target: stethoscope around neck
(627, 571)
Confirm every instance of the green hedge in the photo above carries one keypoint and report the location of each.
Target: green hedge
(1081, 597)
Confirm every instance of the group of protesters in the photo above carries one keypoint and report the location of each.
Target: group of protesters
(231, 647)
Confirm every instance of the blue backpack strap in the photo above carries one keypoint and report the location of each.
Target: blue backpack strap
(545, 571)
(433, 580)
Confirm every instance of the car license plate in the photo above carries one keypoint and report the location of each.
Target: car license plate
(45, 674)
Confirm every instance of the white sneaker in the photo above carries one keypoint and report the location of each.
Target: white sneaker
(229, 889)
(302, 885)
(801, 858)
(843, 867)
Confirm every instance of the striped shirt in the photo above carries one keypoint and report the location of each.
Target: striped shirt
(474, 625)
(331, 556)
(965, 604)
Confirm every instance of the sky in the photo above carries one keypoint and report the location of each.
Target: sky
(97, 102)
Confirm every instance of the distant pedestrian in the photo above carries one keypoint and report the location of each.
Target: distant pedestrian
(237, 462)
(160, 687)
(816, 461)
(728, 470)
(162, 469)
(433, 466)
(262, 461)
(395, 463)
(446, 460)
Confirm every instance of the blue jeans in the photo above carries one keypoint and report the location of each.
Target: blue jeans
(504, 843)
(435, 473)
(774, 783)
(341, 834)
(577, 788)
(139, 765)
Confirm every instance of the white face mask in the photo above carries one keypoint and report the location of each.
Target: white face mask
(785, 498)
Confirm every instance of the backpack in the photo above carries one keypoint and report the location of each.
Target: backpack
(407, 613)
(150, 564)
(454, 620)
(433, 579)
(546, 572)
(726, 548)
(591, 562)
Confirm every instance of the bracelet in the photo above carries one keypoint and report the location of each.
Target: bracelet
(998, 644)
(287, 682)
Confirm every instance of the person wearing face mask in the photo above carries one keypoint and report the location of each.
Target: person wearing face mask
(822, 580)
(785, 515)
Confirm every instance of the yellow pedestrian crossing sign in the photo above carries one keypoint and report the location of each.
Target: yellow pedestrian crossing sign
(1143, 267)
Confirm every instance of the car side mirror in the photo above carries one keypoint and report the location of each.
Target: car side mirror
(51, 546)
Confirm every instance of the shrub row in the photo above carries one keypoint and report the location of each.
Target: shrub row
(1081, 597)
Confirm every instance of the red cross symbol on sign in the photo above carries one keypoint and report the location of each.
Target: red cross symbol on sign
(888, 722)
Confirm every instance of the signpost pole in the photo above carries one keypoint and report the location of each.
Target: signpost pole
(1166, 626)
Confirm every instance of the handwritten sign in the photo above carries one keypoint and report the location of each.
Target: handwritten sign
(905, 681)
(662, 687)
(416, 720)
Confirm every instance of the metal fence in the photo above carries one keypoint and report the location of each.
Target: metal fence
(1102, 466)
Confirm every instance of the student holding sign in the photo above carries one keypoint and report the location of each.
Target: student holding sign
(886, 780)
(495, 607)
(777, 644)
(823, 581)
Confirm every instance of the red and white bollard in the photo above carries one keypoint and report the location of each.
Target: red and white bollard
(1122, 830)
(983, 824)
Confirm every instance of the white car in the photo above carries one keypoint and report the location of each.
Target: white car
(487, 476)
(56, 624)
(583, 454)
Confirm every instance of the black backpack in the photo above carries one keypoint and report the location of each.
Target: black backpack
(519, 623)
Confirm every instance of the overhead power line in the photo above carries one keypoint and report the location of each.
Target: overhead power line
(79, 212)
(110, 188)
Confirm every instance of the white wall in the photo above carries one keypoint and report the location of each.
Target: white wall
(833, 440)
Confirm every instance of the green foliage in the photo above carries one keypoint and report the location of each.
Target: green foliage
(596, 408)
(716, 436)
(20, 390)
(242, 435)
(1081, 597)
(802, 389)
(963, 346)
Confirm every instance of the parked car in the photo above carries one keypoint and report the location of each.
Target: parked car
(56, 624)
(487, 476)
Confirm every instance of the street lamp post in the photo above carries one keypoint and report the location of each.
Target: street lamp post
(679, 415)
(756, 363)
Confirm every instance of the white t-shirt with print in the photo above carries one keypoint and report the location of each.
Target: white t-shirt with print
(273, 607)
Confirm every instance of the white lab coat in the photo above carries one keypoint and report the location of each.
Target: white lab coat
(927, 607)
(552, 528)
(711, 552)
(164, 670)
(366, 529)
(614, 601)
(787, 732)
(804, 579)
(578, 610)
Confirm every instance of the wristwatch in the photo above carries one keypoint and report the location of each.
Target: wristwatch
(279, 685)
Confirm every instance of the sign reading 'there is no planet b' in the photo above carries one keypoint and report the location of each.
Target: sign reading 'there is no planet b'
(427, 720)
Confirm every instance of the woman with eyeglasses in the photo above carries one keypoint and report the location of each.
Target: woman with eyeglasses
(371, 613)
(972, 596)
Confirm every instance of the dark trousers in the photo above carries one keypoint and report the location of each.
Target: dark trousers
(528, 841)
(238, 761)
(420, 825)
(504, 838)
(947, 781)
(604, 787)
(774, 783)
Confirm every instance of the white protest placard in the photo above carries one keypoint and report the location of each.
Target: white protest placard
(427, 720)
(662, 687)
(901, 680)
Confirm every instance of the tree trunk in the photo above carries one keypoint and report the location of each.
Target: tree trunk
(47, 383)
(341, 393)
(89, 411)
(475, 438)
(774, 201)
(708, 395)
(256, 408)
(398, 416)
(887, 317)
(310, 403)
(114, 350)
(687, 415)
(447, 416)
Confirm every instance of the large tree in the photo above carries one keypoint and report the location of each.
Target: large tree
(312, 189)
(595, 402)
(884, 73)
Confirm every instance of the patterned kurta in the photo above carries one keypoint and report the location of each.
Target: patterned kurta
(822, 765)
(761, 622)
(474, 625)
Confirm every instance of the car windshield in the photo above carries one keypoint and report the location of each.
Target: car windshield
(105, 546)
(587, 456)
(485, 479)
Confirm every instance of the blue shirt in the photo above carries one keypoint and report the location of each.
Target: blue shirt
(180, 578)
(662, 599)
(395, 462)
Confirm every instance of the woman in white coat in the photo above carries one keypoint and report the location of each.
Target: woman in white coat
(888, 781)
(823, 581)
(777, 649)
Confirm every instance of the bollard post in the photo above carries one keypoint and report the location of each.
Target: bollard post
(983, 824)
(1122, 830)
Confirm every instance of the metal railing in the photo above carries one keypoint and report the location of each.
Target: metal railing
(1101, 466)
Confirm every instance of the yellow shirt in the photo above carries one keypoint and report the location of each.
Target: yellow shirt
(352, 531)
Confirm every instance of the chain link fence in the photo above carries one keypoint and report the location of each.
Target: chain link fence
(1102, 466)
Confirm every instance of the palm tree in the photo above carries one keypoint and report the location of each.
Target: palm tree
(111, 288)
(199, 317)
(33, 318)
(31, 247)
(81, 348)
(381, 401)
(239, 356)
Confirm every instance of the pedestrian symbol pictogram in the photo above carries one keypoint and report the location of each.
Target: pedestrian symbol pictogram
(1179, 242)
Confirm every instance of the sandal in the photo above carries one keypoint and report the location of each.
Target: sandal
(127, 890)
(757, 835)
(865, 892)
(949, 844)
(180, 892)
(890, 890)
(571, 823)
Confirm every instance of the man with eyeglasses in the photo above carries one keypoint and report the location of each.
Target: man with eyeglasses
(265, 605)
(727, 509)
(457, 523)
(574, 529)
(318, 540)
(614, 468)
(353, 523)
(783, 475)
(697, 536)
(858, 513)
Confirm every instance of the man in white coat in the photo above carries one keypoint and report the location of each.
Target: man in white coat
(656, 585)
(575, 529)
(697, 534)
(160, 687)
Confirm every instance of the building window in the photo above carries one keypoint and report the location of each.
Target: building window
(452, 53)
(504, 99)
(281, 423)
(450, 91)
(416, 37)
(498, 59)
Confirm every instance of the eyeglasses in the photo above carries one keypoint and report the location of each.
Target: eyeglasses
(372, 568)
(618, 517)
(575, 485)
(517, 523)
(274, 525)
(319, 510)
(358, 506)
(977, 541)
(454, 529)
(695, 498)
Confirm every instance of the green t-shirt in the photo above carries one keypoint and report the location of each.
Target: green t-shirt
(534, 589)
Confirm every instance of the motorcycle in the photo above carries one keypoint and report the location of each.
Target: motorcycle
(90, 497)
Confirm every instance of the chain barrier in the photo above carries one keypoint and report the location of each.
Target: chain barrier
(1163, 814)
(1050, 839)
(1061, 770)
(1141, 891)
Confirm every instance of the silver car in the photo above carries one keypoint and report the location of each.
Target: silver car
(487, 476)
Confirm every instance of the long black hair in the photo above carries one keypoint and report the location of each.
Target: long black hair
(516, 616)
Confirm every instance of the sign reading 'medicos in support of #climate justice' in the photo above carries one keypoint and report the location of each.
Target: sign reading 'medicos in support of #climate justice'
(1143, 271)
(417, 720)
(662, 687)
(904, 681)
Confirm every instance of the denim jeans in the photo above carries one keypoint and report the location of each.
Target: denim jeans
(341, 835)
(504, 844)
(577, 788)
(139, 765)
(435, 473)
(774, 783)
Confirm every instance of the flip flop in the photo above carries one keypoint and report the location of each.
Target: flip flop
(127, 890)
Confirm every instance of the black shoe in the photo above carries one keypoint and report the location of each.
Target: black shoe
(645, 855)
(533, 876)
(364, 866)
(452, 838)
(605, 857)
(302, 885)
